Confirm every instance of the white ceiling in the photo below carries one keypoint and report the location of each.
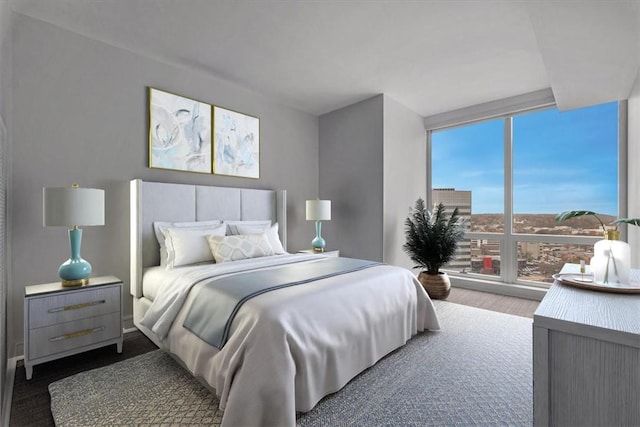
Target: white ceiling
(431, 56)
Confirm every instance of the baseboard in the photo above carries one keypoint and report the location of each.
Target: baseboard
(127, 323)
(512, 290)
(8, 390)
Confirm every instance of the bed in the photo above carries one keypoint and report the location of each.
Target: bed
(287, 348)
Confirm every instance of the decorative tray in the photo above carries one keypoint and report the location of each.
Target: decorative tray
(585, 281)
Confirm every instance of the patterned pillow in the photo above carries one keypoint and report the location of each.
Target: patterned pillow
(234, 248)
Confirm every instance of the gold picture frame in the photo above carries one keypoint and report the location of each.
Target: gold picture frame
(179, 133)
(236, 138)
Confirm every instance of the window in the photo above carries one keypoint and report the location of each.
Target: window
(511, 176)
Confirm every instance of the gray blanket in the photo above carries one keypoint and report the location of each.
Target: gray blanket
(219, 300)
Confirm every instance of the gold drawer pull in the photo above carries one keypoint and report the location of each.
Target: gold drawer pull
(76, 306)
(76, 334)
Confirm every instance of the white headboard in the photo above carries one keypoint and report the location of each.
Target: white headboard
(160, 201)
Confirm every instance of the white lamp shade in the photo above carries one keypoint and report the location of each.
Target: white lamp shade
(69, 206)
(318, 210)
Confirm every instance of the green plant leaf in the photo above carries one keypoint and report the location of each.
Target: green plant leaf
(563, 216)
(572, 214)
(631, 221)
(432, 236)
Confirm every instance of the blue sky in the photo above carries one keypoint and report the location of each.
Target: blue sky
(562, 161)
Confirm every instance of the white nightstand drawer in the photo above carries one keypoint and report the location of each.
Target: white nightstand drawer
(59, 321)
(335, 253)
(73, 305)
(66, 336)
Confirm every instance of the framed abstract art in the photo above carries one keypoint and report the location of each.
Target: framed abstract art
(236, 144)
(179, 133)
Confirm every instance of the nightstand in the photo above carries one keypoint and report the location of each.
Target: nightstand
(59, 321)
(335, 253)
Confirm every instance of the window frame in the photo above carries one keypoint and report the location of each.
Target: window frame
(508, 239)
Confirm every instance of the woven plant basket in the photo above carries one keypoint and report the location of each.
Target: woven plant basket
(437, 286)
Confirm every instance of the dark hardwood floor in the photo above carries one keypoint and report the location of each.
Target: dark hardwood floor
(31, 401)
(501, 303)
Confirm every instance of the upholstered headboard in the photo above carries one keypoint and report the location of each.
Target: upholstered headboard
(159, 201)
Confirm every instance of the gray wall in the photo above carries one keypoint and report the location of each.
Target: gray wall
(5, 115)
(405, 175)
(351, 176)
(372, 168)
(80, 115)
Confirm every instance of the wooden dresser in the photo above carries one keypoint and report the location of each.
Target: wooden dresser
(586, 358)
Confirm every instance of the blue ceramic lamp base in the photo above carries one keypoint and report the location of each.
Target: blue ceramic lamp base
(75, 271)
(318, 242)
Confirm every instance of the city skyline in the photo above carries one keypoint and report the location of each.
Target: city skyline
(561, 161)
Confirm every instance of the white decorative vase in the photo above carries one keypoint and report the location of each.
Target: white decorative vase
(611, 262)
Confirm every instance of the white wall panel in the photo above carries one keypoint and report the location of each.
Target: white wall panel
(405, 175)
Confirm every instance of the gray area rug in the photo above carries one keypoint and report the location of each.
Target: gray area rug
(476, 371)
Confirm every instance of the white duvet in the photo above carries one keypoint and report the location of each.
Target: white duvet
(290, 347)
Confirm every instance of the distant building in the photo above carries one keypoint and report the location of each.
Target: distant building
(461, 199)
(529, 250)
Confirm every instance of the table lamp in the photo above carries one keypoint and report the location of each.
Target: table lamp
(73, 206)
(318, 210)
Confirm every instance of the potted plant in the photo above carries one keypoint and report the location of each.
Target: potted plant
(431, 241)
(611, 261)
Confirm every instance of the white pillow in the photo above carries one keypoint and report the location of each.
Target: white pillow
(234, 248)
(232, 226)
(272, 235)
(159, 225)
(189, 245)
